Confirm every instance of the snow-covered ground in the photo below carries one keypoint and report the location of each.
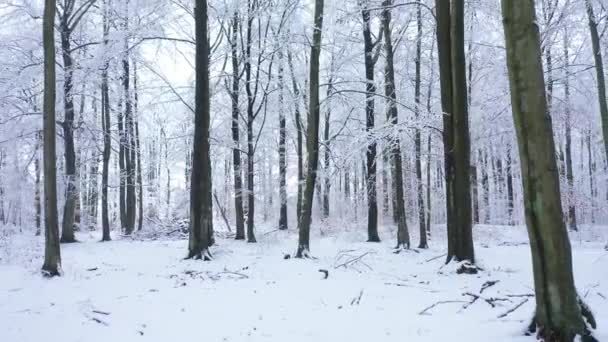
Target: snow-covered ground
(142, 290)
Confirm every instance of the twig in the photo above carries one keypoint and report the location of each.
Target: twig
(94, 319)
(520, 295)
(101, 312)
(513, 309)
(325, 273)
(357, 300)
(423, 312)
(435, 258)
(488, 284)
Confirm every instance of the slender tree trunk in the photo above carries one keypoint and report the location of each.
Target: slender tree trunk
(140, 206)
(282, 150)
(559, 310)
(201, 205)
(130, 200)
(327, 157)
(52, 254)
(599, 69)
(37, 200)
(106, 124)
(569, 172)
(417, 136)
(403, 237)
(69, 209)
(510, 205)
(592, 188)
(312, 135)
(250, 119)
(236, 152)
(299, 134)
(370, 90)
(429, 203)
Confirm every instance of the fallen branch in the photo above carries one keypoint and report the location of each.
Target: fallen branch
(520, 295)
(435, 258)
(423, 312)
(94, 319)
(488, 284)
(357, 300)
(513, 309)
(101, 312)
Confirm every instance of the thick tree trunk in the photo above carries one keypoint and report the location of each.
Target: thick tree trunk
(370, 90)
(52, 254)
(403, 237)
(201, 205)
(312, 135)
(236, 152)
(558, 307)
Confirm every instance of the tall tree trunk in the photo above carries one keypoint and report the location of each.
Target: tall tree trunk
(559, 310)
(69, 209)
(201, 205)
(403, 236)
(599, 69)
(454, 103)
(299, 134)
(130, 200)
(105, 124)
(370, 90)
(52, 254)
(417, 137)
(37, 200)
(312, 135)
(591, 164)
(569, 172)
(327, 157)
(282, 150)
(140, 206)
(509, 168)
(236, 152)
(251, 7)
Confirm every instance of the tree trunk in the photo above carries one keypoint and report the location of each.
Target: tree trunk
(52, 254)
(510, 204)
(69, 209)
(327, 157)
(299, 134)
(558, 307)
(140, 205)
(417, 138)
(236, 152)
(569, 172)
(403, 238)
(282, 150)
(37, 201)
(370, 90)
(250, 120)
(201, 205)
(454, 103)
(106, 124)
(130, 200)
(312, 135)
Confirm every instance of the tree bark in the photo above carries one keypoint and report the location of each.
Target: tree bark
(417, 135)
(370, 90)
(312, 135)
(403, 238)
(106, 124)
(454, 103)
(282, 150)
(236, 152)
(201, 205)
(559, 310)
(52, 254)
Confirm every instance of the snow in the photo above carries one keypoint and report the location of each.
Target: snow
(143, 290)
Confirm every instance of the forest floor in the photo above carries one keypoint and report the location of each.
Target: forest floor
(134, 289)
